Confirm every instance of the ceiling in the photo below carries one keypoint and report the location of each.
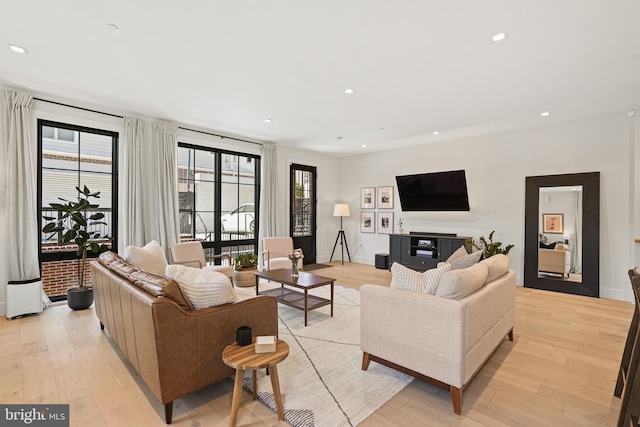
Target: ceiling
(417, 66)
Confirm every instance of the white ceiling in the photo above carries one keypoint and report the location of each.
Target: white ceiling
(417, 66)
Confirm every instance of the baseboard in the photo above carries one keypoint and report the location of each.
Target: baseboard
(3, 308)
(619, 294)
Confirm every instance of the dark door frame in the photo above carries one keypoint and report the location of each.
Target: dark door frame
(309, 258)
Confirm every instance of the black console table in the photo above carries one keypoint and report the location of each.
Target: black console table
(422, 251)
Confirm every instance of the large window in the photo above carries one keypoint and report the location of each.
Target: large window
(219, 193)
(69, 157)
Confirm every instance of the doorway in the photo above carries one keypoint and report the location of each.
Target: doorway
(303, 210)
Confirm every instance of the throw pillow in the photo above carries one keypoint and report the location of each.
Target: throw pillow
(411, 280)
(202, 288)
(466, 260)
(497, 266)
(406, 278)
(459, 253)
(457, 284)
(149, 258)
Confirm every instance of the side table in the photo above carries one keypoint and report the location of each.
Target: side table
(243, 358)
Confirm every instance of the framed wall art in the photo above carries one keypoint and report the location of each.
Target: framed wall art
(385, 222)
(553, 223)
(368, 198)
(385, 197)
(367, 222)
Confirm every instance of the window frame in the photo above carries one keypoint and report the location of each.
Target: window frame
(48, 256)
(217, 245)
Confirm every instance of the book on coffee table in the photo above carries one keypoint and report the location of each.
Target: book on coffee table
(265, 344)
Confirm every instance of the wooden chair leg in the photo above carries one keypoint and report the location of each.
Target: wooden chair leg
(456, 399)
(365, 361)
(168, 412)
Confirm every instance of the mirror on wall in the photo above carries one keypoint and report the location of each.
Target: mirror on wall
(560, 233)
(562, 217)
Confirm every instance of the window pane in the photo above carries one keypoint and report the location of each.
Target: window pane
(66, 135)
(48, 132)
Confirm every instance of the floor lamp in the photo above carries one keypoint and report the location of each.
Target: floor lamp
(341, 210)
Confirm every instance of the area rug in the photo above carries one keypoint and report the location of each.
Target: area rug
(321, 381)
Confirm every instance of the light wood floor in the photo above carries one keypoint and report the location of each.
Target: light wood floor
(560, 370)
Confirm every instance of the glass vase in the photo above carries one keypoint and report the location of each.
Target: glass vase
(294, 268)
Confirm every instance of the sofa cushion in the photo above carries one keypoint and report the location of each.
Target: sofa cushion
(457, 284)
(202, 288)
(159, 286)
(411, 280)
(497, 266)
(459, 253)
(466, 260)
(149, 258)
(108, 257)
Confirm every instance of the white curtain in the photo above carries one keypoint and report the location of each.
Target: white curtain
(20, 191)
(164, 204)
(268, 201)
(134, 182)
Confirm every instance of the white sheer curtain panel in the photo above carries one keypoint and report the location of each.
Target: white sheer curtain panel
(20, 191)
(268, 184)
(164, 206)
(133, 185)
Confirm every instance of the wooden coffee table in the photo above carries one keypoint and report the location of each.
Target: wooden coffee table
(245, 358)
(300, 300)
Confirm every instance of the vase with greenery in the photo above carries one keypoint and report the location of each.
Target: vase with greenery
(73, 225)
(489, 247)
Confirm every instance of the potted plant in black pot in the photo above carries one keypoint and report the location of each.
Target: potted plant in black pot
(244, 264)
(73, 226)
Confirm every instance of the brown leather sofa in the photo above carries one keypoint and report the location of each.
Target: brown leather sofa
(175, 349)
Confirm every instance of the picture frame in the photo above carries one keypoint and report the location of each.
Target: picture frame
(385, 197)
(368, 198)
(385, 222)
(553, 223)
(367, 222)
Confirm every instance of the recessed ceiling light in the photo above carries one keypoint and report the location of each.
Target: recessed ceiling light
(268, 120)
(349, 91)
(498, 37)
(545, 114)
(435, 132)
(18, 49)
(112, 27)
(364, 145)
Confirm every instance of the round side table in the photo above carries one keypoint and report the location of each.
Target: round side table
(244, 358)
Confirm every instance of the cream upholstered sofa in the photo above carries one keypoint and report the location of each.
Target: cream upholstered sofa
(440, 340)
(556, 260)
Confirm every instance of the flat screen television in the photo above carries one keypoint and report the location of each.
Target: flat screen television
(438, 191)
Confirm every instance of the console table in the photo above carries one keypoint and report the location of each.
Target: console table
(422, 251)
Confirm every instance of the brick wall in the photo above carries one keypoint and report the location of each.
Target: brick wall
(58, 276)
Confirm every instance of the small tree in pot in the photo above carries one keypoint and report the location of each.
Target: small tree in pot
(73, 225)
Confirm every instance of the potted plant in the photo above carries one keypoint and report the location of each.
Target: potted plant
(489, 247)
(72, 225)
(244, 265)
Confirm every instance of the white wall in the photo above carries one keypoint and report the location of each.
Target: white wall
(496, 167)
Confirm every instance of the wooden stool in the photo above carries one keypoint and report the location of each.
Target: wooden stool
(244, 358)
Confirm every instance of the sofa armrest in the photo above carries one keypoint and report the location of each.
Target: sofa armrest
(421, 332)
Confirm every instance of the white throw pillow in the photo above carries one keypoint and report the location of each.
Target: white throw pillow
(498, 265)
(411, 280)
(203, 288)
(457, 284)
(149, 258)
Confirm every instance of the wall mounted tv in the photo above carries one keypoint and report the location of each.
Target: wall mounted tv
(438, 191)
